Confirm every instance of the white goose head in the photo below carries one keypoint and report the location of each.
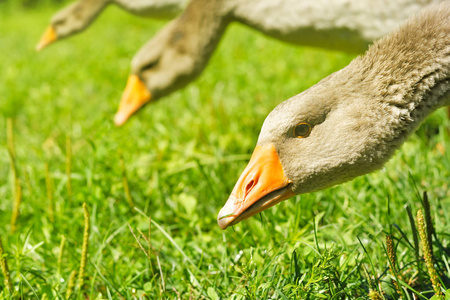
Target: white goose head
(350, 123)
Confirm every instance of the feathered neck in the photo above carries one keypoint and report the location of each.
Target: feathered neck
(410, 69)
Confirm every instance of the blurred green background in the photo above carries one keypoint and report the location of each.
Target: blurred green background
(32, 3)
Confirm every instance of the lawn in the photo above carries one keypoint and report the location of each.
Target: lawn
(180, 158)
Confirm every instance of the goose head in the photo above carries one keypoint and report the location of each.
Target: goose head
(175, 56)
(320, 138)
(351, 122)
(70, 20)
(166, 63)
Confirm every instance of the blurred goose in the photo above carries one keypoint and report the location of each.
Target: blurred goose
(77, 16)
(351, 122)
(181, 50)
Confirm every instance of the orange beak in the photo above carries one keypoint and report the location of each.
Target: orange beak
(262, 185)
(47, 38)
(133, 98)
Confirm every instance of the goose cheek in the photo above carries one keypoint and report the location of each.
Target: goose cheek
(134, 97)
(261, 185)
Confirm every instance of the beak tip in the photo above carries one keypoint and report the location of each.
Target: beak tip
(226, 216)
(41, 45)
(223, 223)
(119, 119)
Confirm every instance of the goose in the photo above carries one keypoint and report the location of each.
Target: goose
(339, 24)
(181, 50)
(351, 122)
(77, 16)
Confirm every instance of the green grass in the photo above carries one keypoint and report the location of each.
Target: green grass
(183, 156)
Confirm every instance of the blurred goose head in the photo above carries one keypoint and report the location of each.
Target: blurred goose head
(173, 58)
(77, 16)
(71, 20)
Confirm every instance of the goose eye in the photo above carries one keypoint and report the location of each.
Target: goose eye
(302, 130)
(59, 22)
(150, 65)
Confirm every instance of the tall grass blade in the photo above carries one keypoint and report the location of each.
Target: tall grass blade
(5, 269)
(16, 204)
(69, 166)
(428, 256)
(49, 188)
(85, 247)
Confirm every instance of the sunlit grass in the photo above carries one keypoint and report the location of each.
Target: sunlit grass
(182, 157)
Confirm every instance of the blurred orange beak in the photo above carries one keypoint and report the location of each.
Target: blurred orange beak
(47, 38)
(133, 98)
(262, 185)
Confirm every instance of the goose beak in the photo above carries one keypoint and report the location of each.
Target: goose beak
(47, 38)
(261, 185)
(133, 98)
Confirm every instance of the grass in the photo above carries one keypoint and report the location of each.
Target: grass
(176, 163)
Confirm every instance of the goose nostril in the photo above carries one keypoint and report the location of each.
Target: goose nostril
(249, 186)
